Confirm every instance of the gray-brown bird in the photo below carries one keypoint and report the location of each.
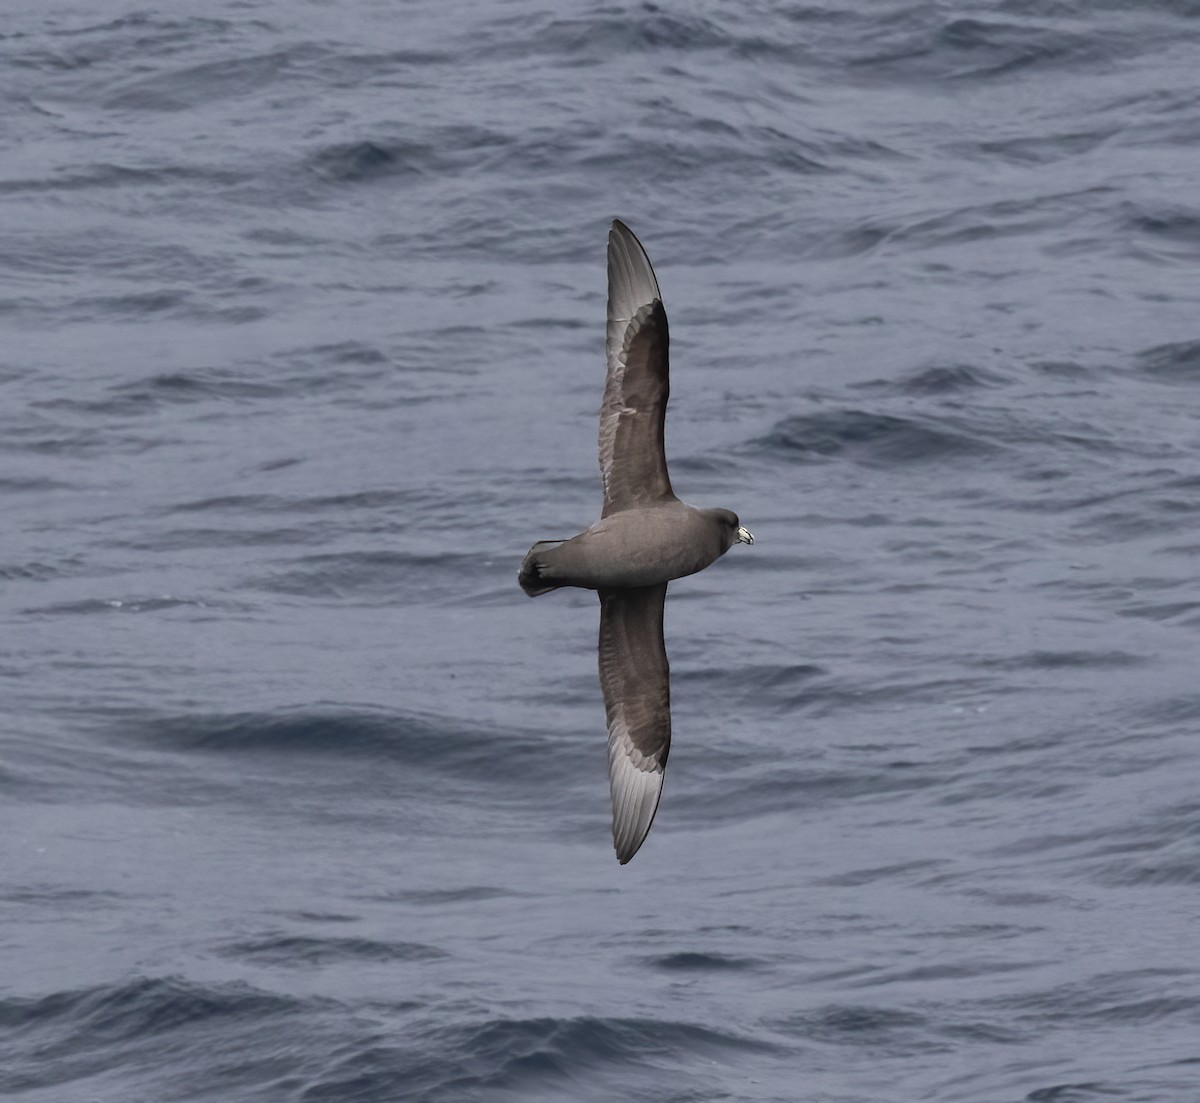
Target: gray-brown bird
(645, 537)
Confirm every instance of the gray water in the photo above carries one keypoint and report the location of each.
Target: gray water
(301, 799)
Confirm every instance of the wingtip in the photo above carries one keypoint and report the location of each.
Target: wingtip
(625, 856)
(631, 278)
(636, 797)
(619, 234)
(620, 231)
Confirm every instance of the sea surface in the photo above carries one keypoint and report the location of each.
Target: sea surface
(301, 347)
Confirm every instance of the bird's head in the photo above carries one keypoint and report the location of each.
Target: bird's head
(732, 529)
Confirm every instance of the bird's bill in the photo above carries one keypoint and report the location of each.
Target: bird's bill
(744, 535)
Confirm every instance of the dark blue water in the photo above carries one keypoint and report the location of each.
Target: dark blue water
(302, 800)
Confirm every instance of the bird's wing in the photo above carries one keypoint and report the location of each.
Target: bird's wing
(637, 698)
(633, 463)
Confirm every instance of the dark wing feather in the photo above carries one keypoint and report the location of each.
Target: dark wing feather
(637, 698)
(633, 462)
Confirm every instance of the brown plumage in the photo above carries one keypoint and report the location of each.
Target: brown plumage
(645, 537)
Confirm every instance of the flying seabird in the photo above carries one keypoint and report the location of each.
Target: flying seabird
(645, 537)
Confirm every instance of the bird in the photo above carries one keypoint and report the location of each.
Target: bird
(645, 538)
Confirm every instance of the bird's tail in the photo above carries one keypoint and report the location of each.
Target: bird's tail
(532, 566)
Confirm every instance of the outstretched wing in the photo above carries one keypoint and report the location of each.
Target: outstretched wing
(633, 463)
(637, 698)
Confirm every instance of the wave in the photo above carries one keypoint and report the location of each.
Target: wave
(423, 744)
(528, 1058)
(939, 379)
(141, 1006)
(299, 951)
(695, 962)
(869, 438)
(1172, 363)
(125, 1029)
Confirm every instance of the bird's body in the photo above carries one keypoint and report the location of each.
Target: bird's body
(645, 538)
(636, 547)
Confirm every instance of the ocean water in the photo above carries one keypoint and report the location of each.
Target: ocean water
(302, 800)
